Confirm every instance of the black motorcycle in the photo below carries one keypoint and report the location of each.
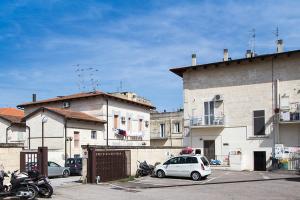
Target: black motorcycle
(42, 182)
(144, 169)
(21, 187)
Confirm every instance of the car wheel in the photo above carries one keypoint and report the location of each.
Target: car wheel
(196, 176)
(66, 173)
(160, 174)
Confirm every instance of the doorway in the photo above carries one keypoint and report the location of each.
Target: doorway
(259, 160)
(209, 149)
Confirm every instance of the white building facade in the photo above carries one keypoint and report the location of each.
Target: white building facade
(237, 111)
(92, 118)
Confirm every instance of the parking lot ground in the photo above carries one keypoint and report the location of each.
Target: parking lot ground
(221, 185)
(217, 177)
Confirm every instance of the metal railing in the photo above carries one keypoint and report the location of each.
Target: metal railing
(209, 120)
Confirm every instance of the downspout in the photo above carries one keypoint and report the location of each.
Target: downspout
(7, 133)
(107, 122)
(29, 135)
(65, 127)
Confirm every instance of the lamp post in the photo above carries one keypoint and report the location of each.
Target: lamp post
(44, 120)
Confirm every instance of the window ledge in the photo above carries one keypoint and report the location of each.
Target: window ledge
(257, 137)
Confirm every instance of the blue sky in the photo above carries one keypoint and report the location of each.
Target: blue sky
(132, 41)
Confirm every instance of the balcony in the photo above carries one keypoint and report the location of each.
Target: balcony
(288, 117)
(211, 121)
(158, 136)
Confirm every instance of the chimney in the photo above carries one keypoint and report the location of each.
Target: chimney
(194, 61)
(279, 46)
(248, 54)
(225, 56)
(33, 97)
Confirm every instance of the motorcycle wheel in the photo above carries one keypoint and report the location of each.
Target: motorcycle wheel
(46, 190)
(138, 173)
(31, 189)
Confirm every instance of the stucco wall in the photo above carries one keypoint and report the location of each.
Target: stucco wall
(10, 156)
(53, 130)
(16, 133)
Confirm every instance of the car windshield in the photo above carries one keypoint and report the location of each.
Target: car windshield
(70, 161)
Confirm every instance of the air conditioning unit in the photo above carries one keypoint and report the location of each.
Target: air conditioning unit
(218, 97)
(66, 104)
(123, 119)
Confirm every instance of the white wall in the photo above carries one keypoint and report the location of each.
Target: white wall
(53, 130)
(16, 133)
(3, 125)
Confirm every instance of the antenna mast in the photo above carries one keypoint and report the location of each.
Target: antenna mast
(252, 40)
(86, 78)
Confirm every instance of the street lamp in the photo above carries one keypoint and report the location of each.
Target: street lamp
(44, 120)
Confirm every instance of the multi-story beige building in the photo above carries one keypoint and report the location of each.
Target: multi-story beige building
(65, 123)
(243, 107)
(166, 129)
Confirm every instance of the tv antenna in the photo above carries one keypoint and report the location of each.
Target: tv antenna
(276, 33)
(87, 80)
(252, 40)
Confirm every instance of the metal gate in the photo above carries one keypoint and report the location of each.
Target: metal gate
(34, 160)
(108, 165)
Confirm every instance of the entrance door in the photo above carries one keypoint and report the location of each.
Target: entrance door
(209, 149)
(259, 160)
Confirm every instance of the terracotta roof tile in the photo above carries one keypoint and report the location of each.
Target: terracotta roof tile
(12, 119)
(68, 114)
(75, 115)
(84, 95)
(12, 112)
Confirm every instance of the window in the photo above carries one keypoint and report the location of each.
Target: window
(76, 139)
(191, 160)
(259, 122)
(93, 134)
(129, 124)
(205, 161)
(116, 121)
(140, 125)
(52, 164)
(162, 130)
(209, 108)
(177, 160)
(177, 127)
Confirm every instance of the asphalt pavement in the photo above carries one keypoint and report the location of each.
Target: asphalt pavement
(220, 185)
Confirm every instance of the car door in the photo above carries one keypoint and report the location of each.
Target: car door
(53, 169)
(170, 167)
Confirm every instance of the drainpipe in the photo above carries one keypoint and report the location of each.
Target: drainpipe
(66, 157)
(107, 122)
(29, 135)
(7, 133)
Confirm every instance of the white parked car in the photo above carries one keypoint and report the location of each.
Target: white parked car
(195, 166)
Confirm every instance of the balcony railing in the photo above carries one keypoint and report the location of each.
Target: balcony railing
(207, 121)
(289, 117)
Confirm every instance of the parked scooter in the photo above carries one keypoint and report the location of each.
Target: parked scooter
(42, 182)
(144, 169)
(21, 187)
